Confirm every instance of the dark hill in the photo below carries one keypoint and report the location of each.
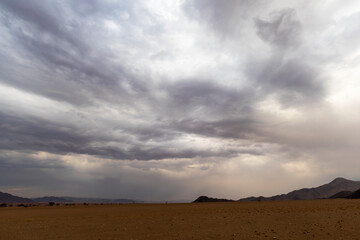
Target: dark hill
(347, 194)
(323, 191)
(202, 199)
(255, 199)
(354, 195)
(342, 194)
(8, 198)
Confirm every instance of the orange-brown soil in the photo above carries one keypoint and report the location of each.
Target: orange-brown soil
(320, 219)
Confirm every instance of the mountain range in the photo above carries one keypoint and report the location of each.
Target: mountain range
(338, 188)
(324, 191)
(8, 198)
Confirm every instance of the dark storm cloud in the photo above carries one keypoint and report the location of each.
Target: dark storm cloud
(66, 68)
(283, 30)
(227, 128)
(26, 170)
(33, 134)
(209, 98)
(226, 17)
(82, 72)
(63, 47)
(212, 90)
(293, 81)
(8, 160)
(286, 72)
(56, 18)
(37, 14)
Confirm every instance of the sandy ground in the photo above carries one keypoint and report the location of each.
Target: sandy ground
(320, 219)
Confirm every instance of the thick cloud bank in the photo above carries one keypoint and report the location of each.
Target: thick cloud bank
(161, 100)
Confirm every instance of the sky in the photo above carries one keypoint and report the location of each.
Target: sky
(167, 100)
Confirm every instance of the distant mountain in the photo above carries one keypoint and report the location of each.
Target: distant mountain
(324, 191)
(52, 199)
(8, 198)
(202, 199)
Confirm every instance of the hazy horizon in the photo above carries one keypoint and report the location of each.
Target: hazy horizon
(166, 100)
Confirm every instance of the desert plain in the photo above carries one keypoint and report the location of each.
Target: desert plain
(291, 220)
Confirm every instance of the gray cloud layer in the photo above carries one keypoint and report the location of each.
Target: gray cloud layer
(183, 92)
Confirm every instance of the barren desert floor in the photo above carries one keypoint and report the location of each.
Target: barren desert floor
(319, 219)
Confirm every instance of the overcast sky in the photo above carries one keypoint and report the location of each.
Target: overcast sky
(166, 100)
